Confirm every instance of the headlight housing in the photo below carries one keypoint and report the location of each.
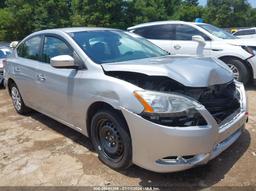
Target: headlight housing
(250, 49)
(155, 102)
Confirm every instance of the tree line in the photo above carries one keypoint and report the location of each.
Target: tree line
(19, 18)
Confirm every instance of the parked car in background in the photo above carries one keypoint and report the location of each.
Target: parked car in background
(4, 52)
(246, 33)
(137, 103)
(188, 38)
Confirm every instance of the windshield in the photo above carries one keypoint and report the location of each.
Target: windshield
(106, 46)
(217, 31)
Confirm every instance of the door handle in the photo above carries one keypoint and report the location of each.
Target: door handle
(177, 46)
(41, 77)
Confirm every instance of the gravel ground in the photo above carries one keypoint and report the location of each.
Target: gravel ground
(36, 150)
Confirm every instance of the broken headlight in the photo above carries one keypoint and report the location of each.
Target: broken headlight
(155, 102)
(170, 109)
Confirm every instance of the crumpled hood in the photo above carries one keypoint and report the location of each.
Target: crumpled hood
(242, 42)
(189, 71)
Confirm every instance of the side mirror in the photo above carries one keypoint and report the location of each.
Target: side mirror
(199, 39)
(13, 44)
(62, 61)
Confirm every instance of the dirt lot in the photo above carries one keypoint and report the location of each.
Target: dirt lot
(36, 150)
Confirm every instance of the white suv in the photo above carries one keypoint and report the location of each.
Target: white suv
(188, 38)
(246, 33)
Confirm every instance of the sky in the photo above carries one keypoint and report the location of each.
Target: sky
(253, 2)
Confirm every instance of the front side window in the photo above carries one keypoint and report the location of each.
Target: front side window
(217, 31)
(30, 48)
(106, 46)
(184, 32)
(157, 32)
(54, 47)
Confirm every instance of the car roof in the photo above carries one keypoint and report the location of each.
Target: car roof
(160, 22)
(73, 29)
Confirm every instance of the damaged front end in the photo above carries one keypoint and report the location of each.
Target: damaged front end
(192, 112)
(220, 100)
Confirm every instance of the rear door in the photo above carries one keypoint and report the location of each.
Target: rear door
(24, 67)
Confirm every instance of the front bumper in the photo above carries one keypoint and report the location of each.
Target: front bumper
(1, 76)
(151, 142)
(252, 61)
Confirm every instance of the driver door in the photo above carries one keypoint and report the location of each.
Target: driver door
(184, 45)
(55, 85)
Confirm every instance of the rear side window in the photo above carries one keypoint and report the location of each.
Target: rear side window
(184, 32)
(245, 32)
(30, 48)
(158, 32)
(54, 46)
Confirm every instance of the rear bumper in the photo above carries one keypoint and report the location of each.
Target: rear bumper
(153, 142)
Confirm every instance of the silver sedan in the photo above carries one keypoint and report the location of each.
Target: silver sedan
(138, 104)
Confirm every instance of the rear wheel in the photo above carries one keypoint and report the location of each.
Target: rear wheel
(17, 100)
(238, 68)
(111, 139)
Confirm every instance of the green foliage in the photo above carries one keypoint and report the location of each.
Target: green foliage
(4, 23)
(150, 10)
(19, 18)
(189, 12)
(106, 13)
(191, 2)
(228, 13)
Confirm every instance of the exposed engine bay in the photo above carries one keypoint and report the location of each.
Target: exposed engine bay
(220, 100)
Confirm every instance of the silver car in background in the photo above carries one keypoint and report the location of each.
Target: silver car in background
(137, 104)
(4, 52)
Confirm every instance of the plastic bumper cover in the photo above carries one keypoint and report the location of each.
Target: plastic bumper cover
(152, 143)
(252, 61)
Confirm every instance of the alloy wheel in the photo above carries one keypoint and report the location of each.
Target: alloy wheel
(235, 71)
(16, 98)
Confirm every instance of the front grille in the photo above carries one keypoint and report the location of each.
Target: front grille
(220, 100)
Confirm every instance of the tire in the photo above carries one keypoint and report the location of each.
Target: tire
(111, 139)
(17, 100)
(1, 84)
(239, 69)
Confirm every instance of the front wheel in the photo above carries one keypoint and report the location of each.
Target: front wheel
(111, 139)
(238, 68)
